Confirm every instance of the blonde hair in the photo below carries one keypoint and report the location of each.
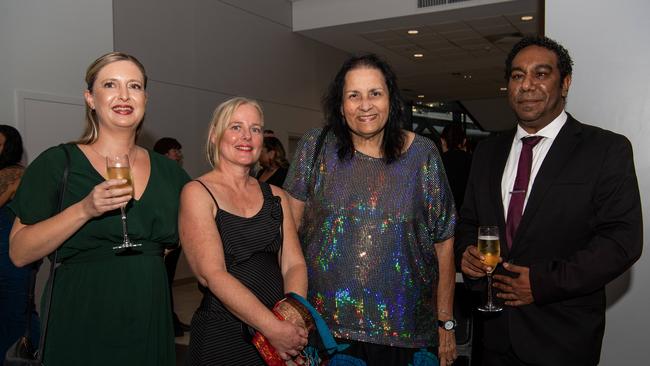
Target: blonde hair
(91, 131)
(219, 123)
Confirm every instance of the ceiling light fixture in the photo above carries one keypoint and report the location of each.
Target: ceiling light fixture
(421, 96)
(503, 88)
(413, 31)
(418, 55)
(527, 18)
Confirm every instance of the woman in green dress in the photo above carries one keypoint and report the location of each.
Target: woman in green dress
(107, 308)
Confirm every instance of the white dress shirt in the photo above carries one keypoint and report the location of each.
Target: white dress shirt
(549, 133)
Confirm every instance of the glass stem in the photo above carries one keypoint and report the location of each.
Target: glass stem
(489, 290)
(124, 228)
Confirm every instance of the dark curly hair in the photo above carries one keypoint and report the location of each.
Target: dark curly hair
(393, 139)
(12, 152)
(564, 61)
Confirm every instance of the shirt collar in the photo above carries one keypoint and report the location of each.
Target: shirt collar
(550, 131)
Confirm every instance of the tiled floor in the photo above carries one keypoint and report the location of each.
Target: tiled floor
(186, 299)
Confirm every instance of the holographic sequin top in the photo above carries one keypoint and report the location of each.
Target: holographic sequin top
(368, 233)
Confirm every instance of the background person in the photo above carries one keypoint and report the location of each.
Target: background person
(171, 148)
(14, 281)
(240, 240)
(107, 309)
(274, 162)
(456, 159)
(376, 220)
(567, 231)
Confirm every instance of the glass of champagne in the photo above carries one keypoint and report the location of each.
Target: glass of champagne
(490, 249)
(118, 167)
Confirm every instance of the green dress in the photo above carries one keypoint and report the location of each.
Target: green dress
(107, 309)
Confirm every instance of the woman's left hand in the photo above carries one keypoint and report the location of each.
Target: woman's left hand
(446, 347)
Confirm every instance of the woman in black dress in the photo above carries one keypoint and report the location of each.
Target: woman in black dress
(240, 240)
(274, 162)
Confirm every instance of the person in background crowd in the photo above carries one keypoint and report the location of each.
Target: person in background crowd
(274, 162)
(376, 219)
(456, 159)
(171, 148)
(240, 240)
(566, 200)
(109, 306)
(14, 281)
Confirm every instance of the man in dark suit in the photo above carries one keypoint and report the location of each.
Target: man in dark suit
(569, 215)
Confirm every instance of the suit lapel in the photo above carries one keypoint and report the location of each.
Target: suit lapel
(552, 166)
(498, 165)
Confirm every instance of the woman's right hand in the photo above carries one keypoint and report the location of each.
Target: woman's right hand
(106, 196)
(287, 338)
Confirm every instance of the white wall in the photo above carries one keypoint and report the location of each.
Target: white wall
(609, 45)
(45, 47)
(199, 53)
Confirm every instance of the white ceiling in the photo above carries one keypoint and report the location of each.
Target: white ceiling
(464, 49)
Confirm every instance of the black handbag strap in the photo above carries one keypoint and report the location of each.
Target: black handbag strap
(53, 258)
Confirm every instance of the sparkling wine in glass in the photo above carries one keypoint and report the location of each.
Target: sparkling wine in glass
(490, 249)
(118, 167)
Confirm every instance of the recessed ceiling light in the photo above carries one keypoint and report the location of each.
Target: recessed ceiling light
(418, 55)
(527, 18)
(503, 88)
(412, 31)
(421, 96)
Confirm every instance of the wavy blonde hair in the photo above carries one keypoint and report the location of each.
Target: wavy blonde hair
(219, 123)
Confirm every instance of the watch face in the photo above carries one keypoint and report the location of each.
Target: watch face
(447, 324)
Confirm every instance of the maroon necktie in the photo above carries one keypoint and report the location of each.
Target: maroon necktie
(518, 194)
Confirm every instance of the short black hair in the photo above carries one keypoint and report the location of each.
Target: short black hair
(12, 152)
(564, 61)
(393, 139)
(165, 144)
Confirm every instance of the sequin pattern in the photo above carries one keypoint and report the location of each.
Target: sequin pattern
(368, 234)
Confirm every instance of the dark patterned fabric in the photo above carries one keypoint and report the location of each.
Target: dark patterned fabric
(251, 248)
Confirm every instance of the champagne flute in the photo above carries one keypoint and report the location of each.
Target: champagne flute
(118, 167)
(490, 249)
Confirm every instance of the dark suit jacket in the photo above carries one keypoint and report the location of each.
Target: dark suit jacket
(581, 229)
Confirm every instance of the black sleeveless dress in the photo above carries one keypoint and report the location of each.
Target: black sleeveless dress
(251, 248)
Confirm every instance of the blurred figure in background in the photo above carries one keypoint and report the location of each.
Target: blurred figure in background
(456, 159)
(171, 148)
(14, 281)
(274, 162)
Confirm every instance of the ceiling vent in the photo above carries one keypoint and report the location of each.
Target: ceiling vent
(427, 3)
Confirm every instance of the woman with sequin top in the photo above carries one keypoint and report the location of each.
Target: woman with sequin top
(376, 221)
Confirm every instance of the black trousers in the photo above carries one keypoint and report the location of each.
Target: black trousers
(171, 261)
